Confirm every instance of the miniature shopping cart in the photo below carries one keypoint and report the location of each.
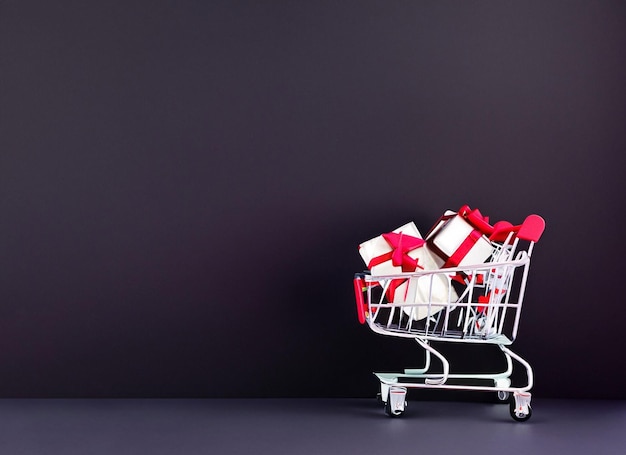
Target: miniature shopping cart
(483, 306)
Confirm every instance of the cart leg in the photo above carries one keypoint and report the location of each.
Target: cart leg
(422, 370)
(444, 363)
(394, 407)
(525, 364)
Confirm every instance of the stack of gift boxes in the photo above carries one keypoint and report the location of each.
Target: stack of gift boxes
(457, 239)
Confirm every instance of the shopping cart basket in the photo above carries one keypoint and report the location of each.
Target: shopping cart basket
(483, 307)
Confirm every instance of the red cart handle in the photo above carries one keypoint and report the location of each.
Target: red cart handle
(532, 228)
(359, 284)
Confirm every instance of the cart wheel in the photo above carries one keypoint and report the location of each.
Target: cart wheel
(503, 396)
(392, 413)
(520, 413)
(502, 383)
(396, 401)
(379, 398)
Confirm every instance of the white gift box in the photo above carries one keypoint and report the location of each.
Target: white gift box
(435, 289)
(375, 251)
(455, 242)
(377, 254)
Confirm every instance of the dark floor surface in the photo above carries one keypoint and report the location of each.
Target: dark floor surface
(305, 426)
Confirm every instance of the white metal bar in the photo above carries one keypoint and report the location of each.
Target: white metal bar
(442, 378)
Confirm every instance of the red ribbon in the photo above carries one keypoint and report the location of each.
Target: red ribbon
(476, 220)
(401, 244)
(486, 299)
(463, 249)
(393, 287)
(483, 299)
(496, 233)
(480, 224)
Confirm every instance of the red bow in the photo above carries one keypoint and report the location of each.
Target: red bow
(402, 244)
(476, 219)
(496, 233)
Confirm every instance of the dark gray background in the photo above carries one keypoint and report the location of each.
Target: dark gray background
(183, 185)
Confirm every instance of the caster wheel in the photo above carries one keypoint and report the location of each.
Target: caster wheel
(396, 402)
(503, 396)
(520, 413)
(392, 412)
(502, 383)
(379, 399)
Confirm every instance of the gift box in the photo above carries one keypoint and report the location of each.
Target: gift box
(403, 251)
(430, 297)
(460, 238)
(393, 253)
